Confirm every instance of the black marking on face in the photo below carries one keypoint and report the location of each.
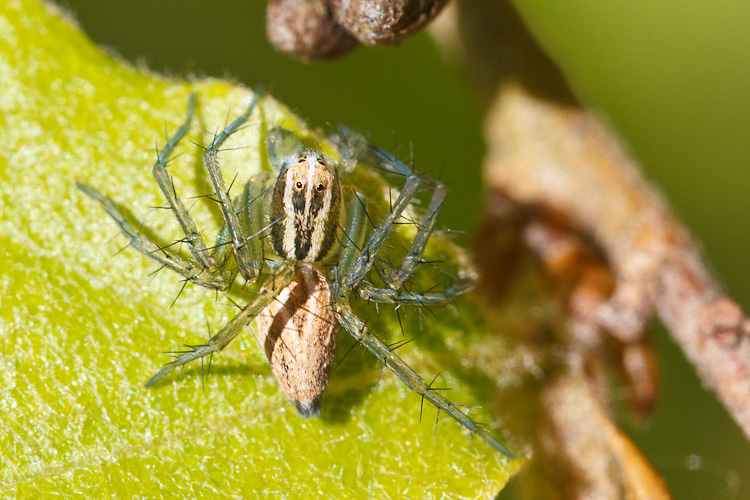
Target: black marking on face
(332, 220)
(307, 196)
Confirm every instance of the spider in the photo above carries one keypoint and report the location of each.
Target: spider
(279, 234)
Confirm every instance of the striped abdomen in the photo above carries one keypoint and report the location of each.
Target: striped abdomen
(307, 202)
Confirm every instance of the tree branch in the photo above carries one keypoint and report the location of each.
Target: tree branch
(548, 154)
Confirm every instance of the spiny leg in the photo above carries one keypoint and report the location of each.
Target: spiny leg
(151, 249)
(351, 274)
(251, 203)
(353, 234)
(403, 296)
(351, 261)
(387, 356)
(413, 258)
(362, 265)
(351, 243)
(371, 293)
(395, 292)
(268, 293)
(248, 263)
(193, 237)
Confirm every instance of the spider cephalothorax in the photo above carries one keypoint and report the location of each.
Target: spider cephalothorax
(301, 237)
(307, 199)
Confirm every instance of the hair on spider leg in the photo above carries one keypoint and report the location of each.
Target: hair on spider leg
(393, 347)
(158, 153)
(400, 324)
(424, 307)
(163, 248)
(199, 145)
(386, 263)
(252, 201)
(184, 284)
(232, 302)
(235, 148)
(425, 291)
(203, 377)
(349, 238)
(188, 348)
(157, 207)
(222, 150)
(156, 271)
(210, 358)
(430, 388)
(358, 341)
(447, 230)
(434, 430)
(432, 263)
(231, 184)
(207, 196)
(219, 245)
(171, 159)
(257, 342)
(260, 232)
(380, 377)
(239, 123)
(119, 251)
(480, 425)
(405, 220)
(166, 132)
(244, 284)
(226, 121)
(364, 208)
(194, 202)
(351, 348)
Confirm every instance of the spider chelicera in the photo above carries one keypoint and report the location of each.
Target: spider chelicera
(278, 234)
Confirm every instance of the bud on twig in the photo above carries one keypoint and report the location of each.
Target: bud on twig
(384, 22)
(304, 29)
(325, 29)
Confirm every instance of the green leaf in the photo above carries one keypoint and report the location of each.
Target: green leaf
(83, 326)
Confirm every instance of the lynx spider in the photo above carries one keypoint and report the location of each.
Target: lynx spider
(302, 207)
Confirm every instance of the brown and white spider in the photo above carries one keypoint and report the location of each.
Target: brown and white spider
(279, 234)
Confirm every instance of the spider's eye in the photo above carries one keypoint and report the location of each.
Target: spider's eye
(298, 185)
(320, 187)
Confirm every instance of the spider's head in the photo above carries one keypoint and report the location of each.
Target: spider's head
(307, 202)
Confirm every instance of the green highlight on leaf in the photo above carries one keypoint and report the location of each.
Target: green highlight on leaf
(83, 326)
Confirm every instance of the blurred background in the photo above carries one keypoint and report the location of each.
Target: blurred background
(673, 77)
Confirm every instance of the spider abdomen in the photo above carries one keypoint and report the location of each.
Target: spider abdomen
(307, 203)
(298, 333)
